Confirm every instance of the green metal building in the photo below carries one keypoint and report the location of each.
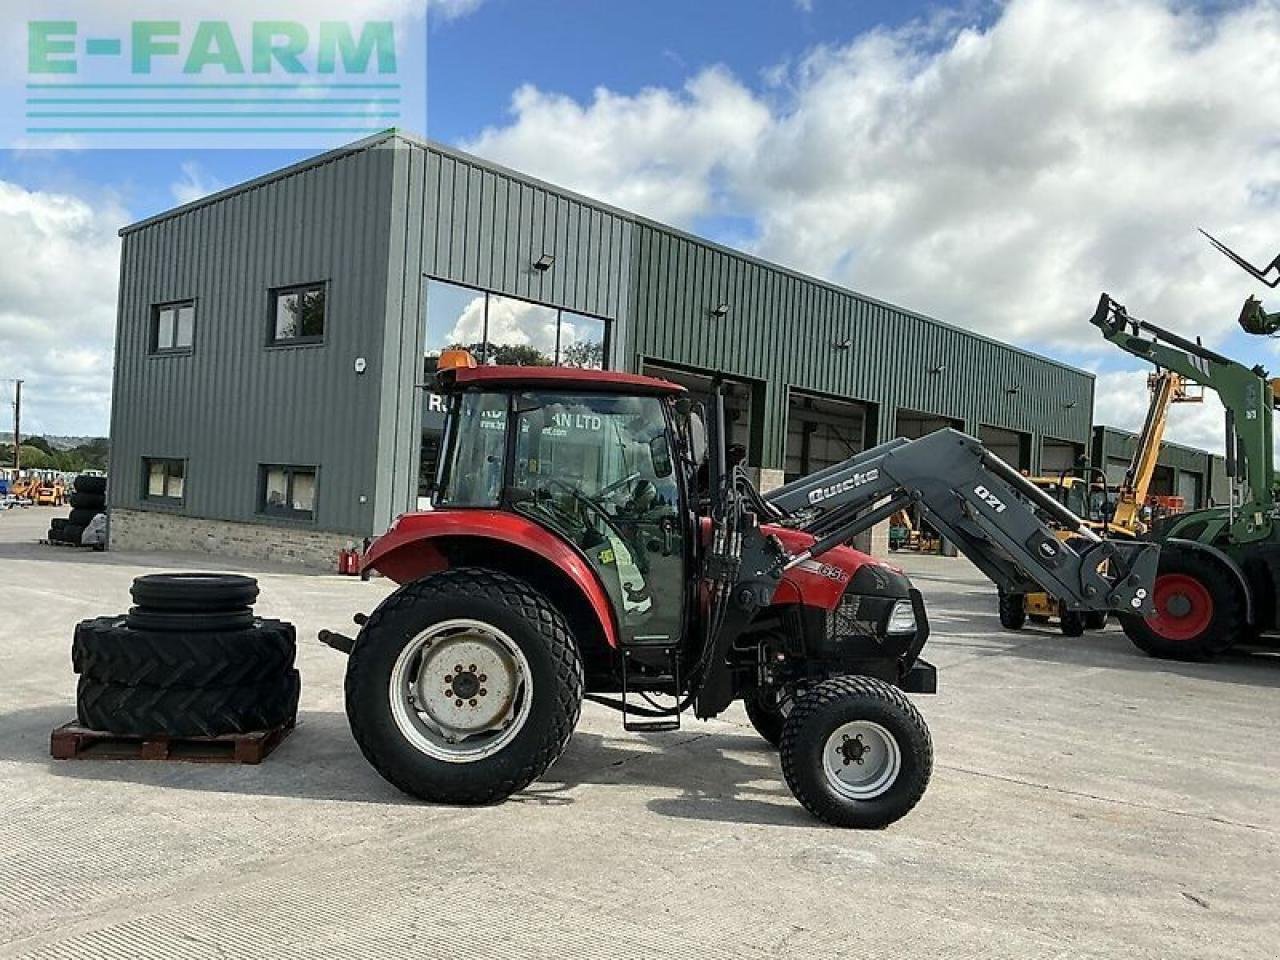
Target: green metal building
(1200, 478)
(275, 343)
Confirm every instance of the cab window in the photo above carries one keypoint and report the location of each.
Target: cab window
(599, 470)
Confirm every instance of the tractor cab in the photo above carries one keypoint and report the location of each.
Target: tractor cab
(600, 461)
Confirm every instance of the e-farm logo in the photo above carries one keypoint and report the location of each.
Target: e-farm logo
(245, 81)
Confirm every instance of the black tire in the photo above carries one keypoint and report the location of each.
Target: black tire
(92, 485)
(764, 716)
(190, 621)
(202, 592)
(1038, 618)
(82, 518)
(1095, 620)
(533, 625)
(107, 650)
(1013, 610)
(1071, 623)
(819, 714)
(87, 501)
(1207, 629)
(57, 524)
(187, 711)
(71, 533)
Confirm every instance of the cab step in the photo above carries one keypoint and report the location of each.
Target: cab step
(649, 683)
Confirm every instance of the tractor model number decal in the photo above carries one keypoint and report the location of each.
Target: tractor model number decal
(824, 570)
(835, 489)
(989, 498)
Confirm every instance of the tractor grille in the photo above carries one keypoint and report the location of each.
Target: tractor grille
(857, 615)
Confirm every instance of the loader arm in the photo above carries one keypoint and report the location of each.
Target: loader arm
(1245, 393)
(986, 508)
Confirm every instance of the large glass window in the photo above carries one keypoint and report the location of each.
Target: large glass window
(297, 314)
(507, 330)
(173, 327)
(582, 341)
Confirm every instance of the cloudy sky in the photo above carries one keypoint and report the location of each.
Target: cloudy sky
(994, 165)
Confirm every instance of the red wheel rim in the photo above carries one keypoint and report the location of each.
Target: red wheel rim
(1184, 607)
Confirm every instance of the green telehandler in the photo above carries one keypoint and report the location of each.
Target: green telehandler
(1219, 567)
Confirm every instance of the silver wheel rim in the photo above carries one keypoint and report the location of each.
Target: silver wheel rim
(861, 760)
(460, 691)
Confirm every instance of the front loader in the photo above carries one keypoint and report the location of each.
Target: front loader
(588, 540)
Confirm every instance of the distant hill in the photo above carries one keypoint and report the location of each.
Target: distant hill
(58, 443)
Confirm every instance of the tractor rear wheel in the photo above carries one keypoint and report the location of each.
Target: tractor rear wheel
(1070, 622)
(464, 687)
(1199, 610)
(1013, 610)
(856, 752)
(1095, 620)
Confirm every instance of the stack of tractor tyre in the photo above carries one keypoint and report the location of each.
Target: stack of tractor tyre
(88, 499)
(190, 659)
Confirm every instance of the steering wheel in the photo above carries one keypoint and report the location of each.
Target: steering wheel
(618, 484)
(583, 498)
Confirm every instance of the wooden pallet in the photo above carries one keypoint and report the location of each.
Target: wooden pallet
(74, 742)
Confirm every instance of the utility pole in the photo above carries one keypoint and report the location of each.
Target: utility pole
(17, 427)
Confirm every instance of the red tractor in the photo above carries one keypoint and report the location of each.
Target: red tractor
(588, 540)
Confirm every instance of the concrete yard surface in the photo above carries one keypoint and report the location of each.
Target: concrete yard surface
(1087, 801)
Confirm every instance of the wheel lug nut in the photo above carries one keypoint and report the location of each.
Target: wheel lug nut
(448, 692)
(484, 692)
(449, 679)
(458, 703)
(471, 669)
(473, 703)
(483, 678)
(458, 668)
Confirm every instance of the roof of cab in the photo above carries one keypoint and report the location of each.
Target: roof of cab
(558, 378)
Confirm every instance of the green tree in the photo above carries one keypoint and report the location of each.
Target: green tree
(40, 443)
(583, 353)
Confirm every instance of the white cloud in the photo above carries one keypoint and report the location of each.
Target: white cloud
(662, 153)
(58, 285)
(997, 177)
(1121, 400)
(194, 184)
(453, 9)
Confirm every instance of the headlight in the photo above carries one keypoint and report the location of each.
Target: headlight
(902, 619)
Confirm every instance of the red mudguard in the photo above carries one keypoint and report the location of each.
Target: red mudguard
(408, 551)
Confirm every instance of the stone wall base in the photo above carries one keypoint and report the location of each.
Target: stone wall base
(154, 531)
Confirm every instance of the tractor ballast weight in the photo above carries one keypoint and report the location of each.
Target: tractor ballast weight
(585, 541)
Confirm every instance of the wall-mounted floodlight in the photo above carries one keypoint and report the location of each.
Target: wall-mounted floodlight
(844, 344)
(1069, 405)
(720, 311)
(544, 262)
(937, 368)
(1013, 390)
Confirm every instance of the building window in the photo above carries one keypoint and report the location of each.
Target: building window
(289, 491)
(165, 480)
(506, 330)
(173, 327)
(297, 314)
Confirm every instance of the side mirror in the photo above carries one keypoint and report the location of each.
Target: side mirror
(660, 456)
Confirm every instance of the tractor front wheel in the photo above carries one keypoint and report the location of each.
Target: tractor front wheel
(765, 715)
(464, 687)
(1013, 610)
(856, 752)
(1199, 610)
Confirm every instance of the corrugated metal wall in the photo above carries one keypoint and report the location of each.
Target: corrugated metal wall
(785, 329)
(234, 402)
(377, 220)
